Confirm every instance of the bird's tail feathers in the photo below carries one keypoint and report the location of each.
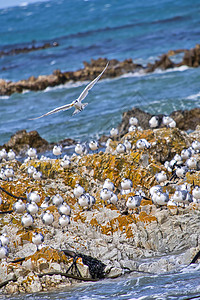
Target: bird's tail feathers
(79, 110)
(84, 105)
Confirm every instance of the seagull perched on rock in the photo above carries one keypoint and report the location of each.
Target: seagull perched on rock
(114, 132)
(57, 150)
(33, 197)
(126, 184)
(133, 121)
(84, 201)
(37, 239)
(47, 218)
(4, 251)
(19, 206)
(154, 122)
(27, 220)
(77, 104)
(31, 170)
(57, 200)
(105, 194)
(108, 185)
(64, 209)
(133, 202)
(121, 148)
(196, 145)
(80, 149)
(3, 154)
(113, 199)
(32, 153)
(64, 221)
(78, 190)
(11, 155)
(4, 239)
(93, 145)
(32, 208)
(161, 177)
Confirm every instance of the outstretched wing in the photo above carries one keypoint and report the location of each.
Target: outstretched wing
(64, 107)
(90, 85)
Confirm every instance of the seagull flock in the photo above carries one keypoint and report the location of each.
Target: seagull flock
(32, 209)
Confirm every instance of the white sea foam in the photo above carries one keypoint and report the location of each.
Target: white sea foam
(4, 97)
(142, 73)
(194, 96)
(176, 69)
(67, 85)
(23, 4)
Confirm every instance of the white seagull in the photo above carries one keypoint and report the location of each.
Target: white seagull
(78, 102)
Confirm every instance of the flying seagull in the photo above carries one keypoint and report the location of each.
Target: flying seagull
(78, 102)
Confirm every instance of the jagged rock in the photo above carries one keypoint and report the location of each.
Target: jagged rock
(114, 272)
(28, 49)
(22, 140)
(163, 63)
(192, 57)
(91, 70)
(185, 119)
(143, 118)
(107, 241)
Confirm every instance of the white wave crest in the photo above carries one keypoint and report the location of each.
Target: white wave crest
(4, 97)
(194, 96)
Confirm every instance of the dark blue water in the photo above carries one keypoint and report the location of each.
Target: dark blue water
(141, 30)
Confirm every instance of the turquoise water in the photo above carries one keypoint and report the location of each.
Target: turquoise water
(141, 30)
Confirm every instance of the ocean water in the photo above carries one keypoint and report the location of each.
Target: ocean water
(182, 285)
(141, 30)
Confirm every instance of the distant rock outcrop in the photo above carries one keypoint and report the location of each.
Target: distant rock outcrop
(185, 119)
(27, 49)
(116, 68)
(22, 140)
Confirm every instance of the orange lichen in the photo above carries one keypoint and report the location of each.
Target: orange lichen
(49, 254)
(145, 202)
(145, 218)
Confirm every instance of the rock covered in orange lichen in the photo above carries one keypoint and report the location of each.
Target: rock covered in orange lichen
(109, 232)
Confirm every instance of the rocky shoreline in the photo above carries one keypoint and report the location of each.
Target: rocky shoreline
(151, 238)
(22, 140)
(191, 58)
(32, 47)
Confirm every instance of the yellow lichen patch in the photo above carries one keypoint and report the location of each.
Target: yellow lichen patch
(94, 222)
(79, 216)
(25, 235)
(129, 232)
(145, 218)
(146, 202)
(49, 254)
(48, 168)
(193, 178)
(121, 223)
(136, 135)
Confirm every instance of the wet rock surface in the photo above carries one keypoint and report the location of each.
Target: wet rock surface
(185, 119)
(22, 140)
(91, 70)
(30, 48)
(150, 238)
